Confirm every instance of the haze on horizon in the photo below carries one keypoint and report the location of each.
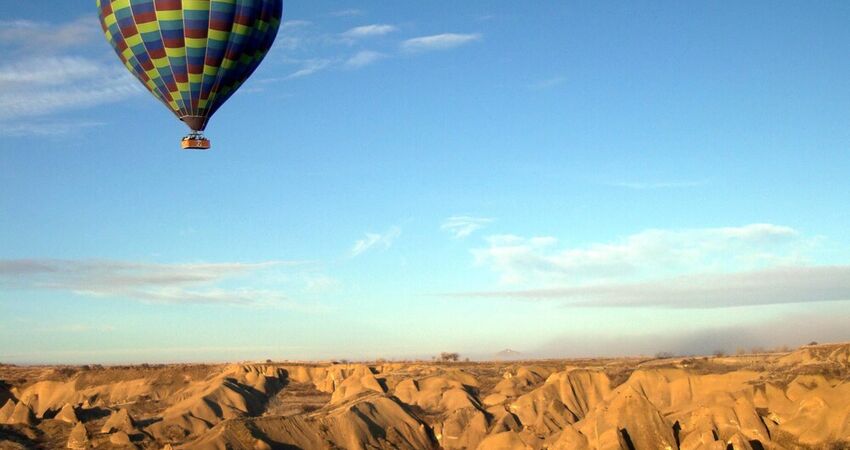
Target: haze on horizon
(563, 180)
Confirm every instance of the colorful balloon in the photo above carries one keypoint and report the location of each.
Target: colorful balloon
(191, 54)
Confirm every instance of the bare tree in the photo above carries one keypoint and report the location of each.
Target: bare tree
(449, 357)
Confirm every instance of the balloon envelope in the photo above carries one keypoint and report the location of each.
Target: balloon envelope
(191, 54)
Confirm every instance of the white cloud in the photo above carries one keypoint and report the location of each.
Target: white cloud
(78, 328)
(755, 264)
(463, 226)
(312, 45)
(311, 50)
(309, 67)
(41, 86)
(794, 284)
(375, 240)
(548, 83)
(368, 31)
(439, 42)
(201, 283)
(321, 284)
(51, 71)
(288, 42)
(363, 58)
(645, 186)
(651, 253)
(347, 13)
(291, 24)
(43, 74)
(43, 37)
(303, 40)
(46, 128)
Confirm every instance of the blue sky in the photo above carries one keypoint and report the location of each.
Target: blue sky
(560, 179)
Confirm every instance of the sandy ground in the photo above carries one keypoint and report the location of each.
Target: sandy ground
(790, 400)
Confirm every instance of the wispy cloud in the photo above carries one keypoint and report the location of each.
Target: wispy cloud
(43, 74)
(52, 71)
(364, 58)
(78, 328)
(44, 37)
(45, 85)
(299, 36)
(439, 42)
(309, 67)
(352, 12)
(321, 284)
(463, 226)
(310, 49)
(196, 283)
(375, 240)
(651, 253)
(47, 128)
(292, 24)
(755, 264)
(701, 339)
(369, 31)
(645, 186)
(548, 83)
(794, 284)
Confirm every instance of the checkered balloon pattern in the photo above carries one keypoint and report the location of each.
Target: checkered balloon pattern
(191, 54)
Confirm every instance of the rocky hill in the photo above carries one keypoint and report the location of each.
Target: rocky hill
(796, 400)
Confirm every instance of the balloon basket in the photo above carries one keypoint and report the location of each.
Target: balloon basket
(195, 141)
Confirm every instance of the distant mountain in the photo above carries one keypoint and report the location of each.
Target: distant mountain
(508, 354)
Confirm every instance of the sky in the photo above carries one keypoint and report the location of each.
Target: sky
(404, 178)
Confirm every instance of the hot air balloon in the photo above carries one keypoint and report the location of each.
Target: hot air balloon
(192, 55)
